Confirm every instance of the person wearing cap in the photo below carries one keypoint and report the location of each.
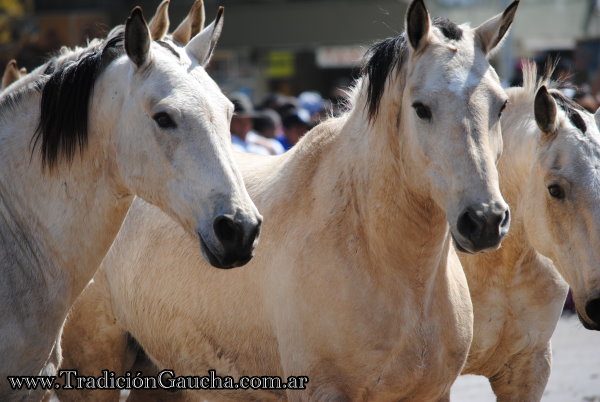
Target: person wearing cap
(241, 126)
(295, 125)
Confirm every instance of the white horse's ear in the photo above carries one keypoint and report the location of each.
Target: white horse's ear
(191, 25)
(490, 33)
(159, 24)
(202, 45)
(418, 24)
(11, 73)
(545, 111)
(137, 37)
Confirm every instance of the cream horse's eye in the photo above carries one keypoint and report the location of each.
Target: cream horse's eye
(556, 191)
(422, 111)
(164, 120)
(502, 108)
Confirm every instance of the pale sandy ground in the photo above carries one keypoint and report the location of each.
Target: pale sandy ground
(575, 369)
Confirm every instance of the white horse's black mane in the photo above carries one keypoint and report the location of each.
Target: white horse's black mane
(66, 86)
(389, 53)
(65, 101)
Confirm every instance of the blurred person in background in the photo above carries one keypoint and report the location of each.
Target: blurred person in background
(295, 124)
(266, 128)
(241, 125)
(314, 103)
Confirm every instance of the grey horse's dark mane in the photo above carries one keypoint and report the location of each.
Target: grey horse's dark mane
(64, 106)
(384, 56)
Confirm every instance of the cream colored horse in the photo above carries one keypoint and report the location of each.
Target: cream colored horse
(356, 284)
(549, 175)
(127, 117)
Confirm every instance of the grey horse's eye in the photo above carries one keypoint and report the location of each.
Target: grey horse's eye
(556, 191)
(422, 111)
(164, 120)
(502, 108)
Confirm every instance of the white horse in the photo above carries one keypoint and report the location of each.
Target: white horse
(356, 284)
(549, 175)
(128, 117)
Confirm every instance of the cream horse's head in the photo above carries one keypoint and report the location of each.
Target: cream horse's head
(450, 110)
(562, 197)
(166, 123)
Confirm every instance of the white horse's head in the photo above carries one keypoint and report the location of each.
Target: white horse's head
(450, 110)
(562, 197)
(166, 124)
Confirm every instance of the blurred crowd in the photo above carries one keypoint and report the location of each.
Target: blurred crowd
(276, 124)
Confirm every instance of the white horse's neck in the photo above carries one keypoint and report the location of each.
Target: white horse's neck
(57, 225)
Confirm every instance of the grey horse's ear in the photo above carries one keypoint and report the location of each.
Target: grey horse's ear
(137, 38)
(11, 73)
(490, 33)
(418, 24)
(545, 111)
(159, 24)
(202, 45)
(191, 25)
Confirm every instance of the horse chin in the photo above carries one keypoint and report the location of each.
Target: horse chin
(586, 324)
(459, 246)
(212, 257)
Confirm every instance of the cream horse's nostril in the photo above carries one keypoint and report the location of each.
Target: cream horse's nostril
(483, 227)
(592, 309)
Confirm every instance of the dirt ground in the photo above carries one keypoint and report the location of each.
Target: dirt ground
(575, 369)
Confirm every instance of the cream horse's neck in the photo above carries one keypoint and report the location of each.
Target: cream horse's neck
(58, 225)
(405, 232)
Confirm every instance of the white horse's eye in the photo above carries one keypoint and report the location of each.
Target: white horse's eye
(164, 120)
(556, 191)
(502, 108)
(422, 111)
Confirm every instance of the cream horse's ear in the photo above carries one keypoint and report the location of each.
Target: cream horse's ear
(191, 25)
(202, 45)
(11, 73)
(490, 33)
(159, 24)
(545, 111)
(137, 38)
(418, 24)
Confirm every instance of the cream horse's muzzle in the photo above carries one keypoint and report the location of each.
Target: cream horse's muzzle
(237, 240)
(482, 227)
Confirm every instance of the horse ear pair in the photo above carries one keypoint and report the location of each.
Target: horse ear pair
(489, 34)
(189, 27)
(138, 35)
